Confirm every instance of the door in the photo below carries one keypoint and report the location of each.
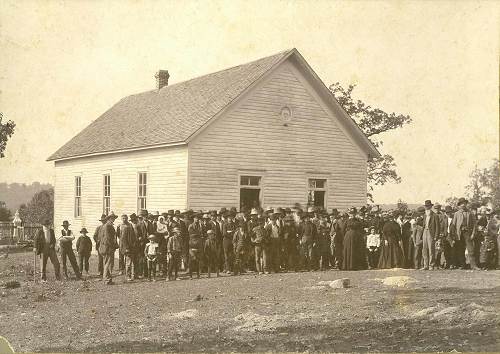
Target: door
(249, 198)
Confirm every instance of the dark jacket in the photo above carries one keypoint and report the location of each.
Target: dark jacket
(127, 239)
(433, 224)
(39, 241)
(107, 242)
(97, 236)
(84, 245)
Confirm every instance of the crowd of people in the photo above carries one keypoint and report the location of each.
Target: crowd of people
(279, 240)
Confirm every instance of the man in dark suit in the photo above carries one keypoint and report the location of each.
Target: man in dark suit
(45, 246)
(98, 230)
(430, 235)
(463, 225)
(107, 247)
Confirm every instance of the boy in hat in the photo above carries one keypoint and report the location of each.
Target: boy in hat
(417, 235)
(84, 249)
(258, 237)
(66, 249)
(240, 239)
(151, 254)
(174, 249)
(44, 245)
(195, 247)
(212, 252)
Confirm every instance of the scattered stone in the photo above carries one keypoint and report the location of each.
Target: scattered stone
(11, 284)
(315, 287)
(336, 284)
(398, 281)
(191, 313)
(340, 283)
(198, 298)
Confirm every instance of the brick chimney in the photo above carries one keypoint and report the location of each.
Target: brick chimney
(161, 79)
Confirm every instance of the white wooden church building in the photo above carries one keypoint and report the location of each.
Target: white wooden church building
(266, 133)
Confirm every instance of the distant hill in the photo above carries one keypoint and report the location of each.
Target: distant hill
(15, 194)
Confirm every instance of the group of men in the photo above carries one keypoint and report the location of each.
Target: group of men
(285, 239)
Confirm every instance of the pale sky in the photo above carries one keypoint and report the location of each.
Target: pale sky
(63, 63)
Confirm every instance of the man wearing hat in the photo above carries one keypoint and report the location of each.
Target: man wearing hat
(463, 225)
(128, 247)
(212, 253)
(84, 249)
(108, 247)
(45, 246)
(228, 229)
(174, 249)
(66, 249)
(274, 232)
(97, 237)
(336, 239)
(308, 236)
(258, 237)
(291, 243)
(430, 235)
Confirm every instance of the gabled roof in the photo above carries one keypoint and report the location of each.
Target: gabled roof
(173, 114)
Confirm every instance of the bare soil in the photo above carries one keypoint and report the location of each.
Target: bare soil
(383, 310)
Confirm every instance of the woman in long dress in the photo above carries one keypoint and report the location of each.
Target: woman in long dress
(390, 254)
(354, 250)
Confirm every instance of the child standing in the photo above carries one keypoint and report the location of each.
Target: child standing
(174, 252)
(211, 253)
(417, 237)
(84, 248)
(373, 246)
(151, 254)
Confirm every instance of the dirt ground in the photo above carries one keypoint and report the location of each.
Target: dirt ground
(383, 310)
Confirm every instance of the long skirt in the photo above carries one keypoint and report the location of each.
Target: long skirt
(354, 251)
(390, 255)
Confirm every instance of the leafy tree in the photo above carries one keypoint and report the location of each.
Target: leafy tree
(40, 207)
(5, 214)
(452, 201)
(484, 185)
(402, 205)
(373, 122)
(6, 131)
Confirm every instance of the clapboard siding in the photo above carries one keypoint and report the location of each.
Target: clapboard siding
(251, 136)
(167, 188)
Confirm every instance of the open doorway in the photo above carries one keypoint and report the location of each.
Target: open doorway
(249, 198)
(250, 192)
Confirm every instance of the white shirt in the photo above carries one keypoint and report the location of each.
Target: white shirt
(449, 223)
(372, 240)
(46, 232)
(152, 247)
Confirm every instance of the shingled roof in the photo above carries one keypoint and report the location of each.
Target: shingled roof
(166, 116)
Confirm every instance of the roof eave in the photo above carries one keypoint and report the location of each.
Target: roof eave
(156, 146)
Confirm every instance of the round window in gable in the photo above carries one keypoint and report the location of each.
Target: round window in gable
(286, 115)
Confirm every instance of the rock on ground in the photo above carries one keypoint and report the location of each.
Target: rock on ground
(399, 281)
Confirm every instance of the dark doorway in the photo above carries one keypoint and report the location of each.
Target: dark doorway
(316, 199)
(249, 198)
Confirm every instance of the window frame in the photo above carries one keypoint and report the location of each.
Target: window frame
(313, 189)
(142, 197)
(260, 186)
(77, 200)
(106, 207)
